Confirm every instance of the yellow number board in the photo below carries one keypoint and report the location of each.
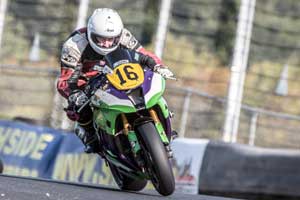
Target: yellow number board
(127, 76)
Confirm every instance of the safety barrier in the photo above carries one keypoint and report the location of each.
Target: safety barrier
(244, 171)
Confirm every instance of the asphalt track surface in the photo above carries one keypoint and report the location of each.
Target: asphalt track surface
(17, 188)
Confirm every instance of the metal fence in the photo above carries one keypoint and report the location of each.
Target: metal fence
(205, 116)
(194, 47)
(26, 92)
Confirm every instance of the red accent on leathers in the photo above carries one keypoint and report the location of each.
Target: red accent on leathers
(62, 85)
(87, 72)
(152, 55)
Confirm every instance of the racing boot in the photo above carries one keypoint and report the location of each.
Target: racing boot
(89, 138)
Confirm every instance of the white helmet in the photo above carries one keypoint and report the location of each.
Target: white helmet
(104, 23)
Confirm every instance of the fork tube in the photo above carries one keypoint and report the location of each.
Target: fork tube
(159, 126)
(125, 124)
(154, 116)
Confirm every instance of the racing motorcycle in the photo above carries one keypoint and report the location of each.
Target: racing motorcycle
(133, 122)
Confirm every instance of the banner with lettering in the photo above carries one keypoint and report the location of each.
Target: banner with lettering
(72, 164)
(28, 150)
(36, 151)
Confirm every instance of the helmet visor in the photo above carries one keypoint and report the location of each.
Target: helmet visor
(105, 42)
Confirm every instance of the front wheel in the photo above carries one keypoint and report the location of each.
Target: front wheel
(156, 159)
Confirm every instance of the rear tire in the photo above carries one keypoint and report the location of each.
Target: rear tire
(156, 159)
(126, 183)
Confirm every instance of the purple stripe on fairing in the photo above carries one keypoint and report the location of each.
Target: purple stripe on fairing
(115, 92)
(145, 86)
(147, 81)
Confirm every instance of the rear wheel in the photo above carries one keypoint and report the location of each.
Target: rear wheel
(156, 159)
(126, 183)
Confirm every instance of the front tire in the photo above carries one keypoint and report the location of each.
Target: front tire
(156, 159)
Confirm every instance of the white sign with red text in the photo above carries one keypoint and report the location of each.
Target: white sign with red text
(187, 161)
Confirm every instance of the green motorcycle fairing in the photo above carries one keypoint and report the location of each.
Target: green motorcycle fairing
(110, 104)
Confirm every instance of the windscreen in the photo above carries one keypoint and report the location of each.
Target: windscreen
(118, 57)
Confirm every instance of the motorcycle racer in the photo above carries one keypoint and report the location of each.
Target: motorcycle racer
(84, 49)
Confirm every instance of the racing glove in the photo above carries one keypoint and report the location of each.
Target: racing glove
(78, 98)
(164, 72)
(75, 102)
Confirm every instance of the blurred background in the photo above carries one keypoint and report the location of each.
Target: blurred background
(202, 42)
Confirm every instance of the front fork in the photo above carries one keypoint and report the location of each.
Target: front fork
(159, 126)
(132, 136)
